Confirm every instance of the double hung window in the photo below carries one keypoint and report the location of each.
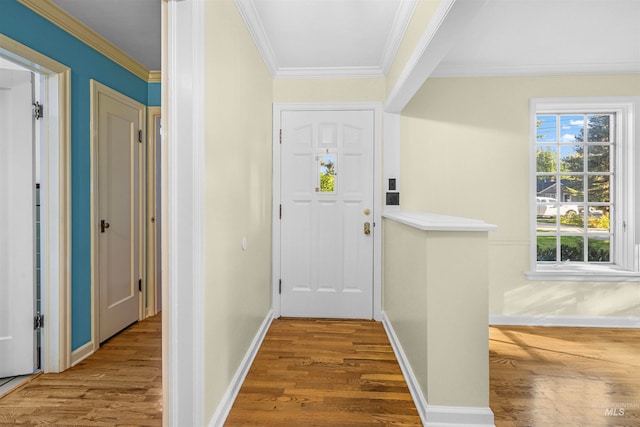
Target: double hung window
(584, 189)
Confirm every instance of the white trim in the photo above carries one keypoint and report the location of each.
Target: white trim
(436, 222)
(55, 201)
(603, 274)
(627, 110)
(471, 70)
(400, 23)
(81, 353)
(378, 204)
(151, 218)
(185, 209)
(462, 416)
(412, 382)
(376, 107)
(222, 411)
(441, 34)
(431, 415)
(249, 14)
(330, 72)
(568, 321)
(275, 213)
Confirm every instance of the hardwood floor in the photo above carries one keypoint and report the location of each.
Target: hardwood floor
(120, 384)
(312, 372)
(547, 376)
(344, 373)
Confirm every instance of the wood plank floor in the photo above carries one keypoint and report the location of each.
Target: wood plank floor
(344, 373)
(548, 376)
(120, 384)
(312, 372)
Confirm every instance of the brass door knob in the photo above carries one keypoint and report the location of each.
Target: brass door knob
(367, 228)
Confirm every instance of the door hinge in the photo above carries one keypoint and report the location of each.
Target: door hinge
(38, 110)
(140, 285)
(280, 136)
(140, 135)
(38, 321)
(280, 286)
(280, 211)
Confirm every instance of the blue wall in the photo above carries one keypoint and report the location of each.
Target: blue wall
(154, 95)
(30, 29)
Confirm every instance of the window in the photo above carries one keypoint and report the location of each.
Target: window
(584, 189)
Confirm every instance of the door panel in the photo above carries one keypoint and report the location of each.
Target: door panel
(118, 176)
(327, 196)
(17, 224)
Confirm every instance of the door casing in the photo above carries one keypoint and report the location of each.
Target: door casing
(55, 201)
(376, 108)
(152, 217)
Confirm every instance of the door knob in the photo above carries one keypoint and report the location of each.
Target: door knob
(367, 228)
(104, 225)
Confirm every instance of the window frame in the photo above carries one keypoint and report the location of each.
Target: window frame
(626, 199)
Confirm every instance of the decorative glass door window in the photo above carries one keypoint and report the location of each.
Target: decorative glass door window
(326, 173)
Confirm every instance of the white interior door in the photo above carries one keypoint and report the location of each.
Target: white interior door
(118, 219)
(17, 224)
(327, 214)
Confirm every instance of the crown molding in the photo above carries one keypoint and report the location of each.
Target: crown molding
(52, 12)
(400, 24)
(155, 77)
(251, 19)
(329, 73)
(474, 70)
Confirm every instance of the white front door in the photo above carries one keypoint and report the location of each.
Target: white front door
(17, 224)
(118, 218)
(327, 214)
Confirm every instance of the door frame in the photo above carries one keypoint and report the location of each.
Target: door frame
(96, 89)
(55, 201)
(376, 108)
(152, 212)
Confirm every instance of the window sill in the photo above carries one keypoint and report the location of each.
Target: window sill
(582, 273)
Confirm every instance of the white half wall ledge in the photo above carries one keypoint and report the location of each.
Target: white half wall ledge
(427, 221)
(565, 321)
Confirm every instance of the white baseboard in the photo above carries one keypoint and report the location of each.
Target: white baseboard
(570, 321)
(450, 416)
(81, 353)
(431, 415)
(410, 378)
(222, 411)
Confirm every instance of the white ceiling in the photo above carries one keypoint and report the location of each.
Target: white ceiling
(327, 38)
(359, 38)
(134, 26)
(516, 37)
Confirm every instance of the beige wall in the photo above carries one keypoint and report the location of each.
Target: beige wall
(465, 152)
(328, 90)
(439, 310)
(238, 196)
